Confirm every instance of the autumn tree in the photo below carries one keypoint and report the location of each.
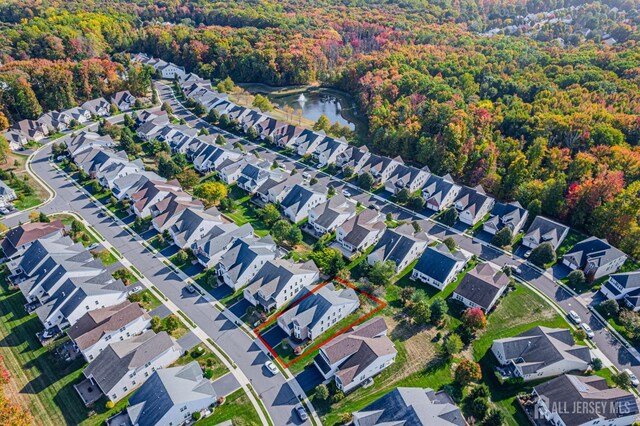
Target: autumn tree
(323, 123)
(212, 192)
(474, 319)
(468, 372)
(262, 103)
(188, 178)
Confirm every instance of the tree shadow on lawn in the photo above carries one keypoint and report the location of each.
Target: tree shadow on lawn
(52, 370)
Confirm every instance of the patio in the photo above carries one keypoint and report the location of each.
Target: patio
(88, 391)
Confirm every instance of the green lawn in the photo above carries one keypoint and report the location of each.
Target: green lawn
(573, 238)
(246, 212)
(209, 362)
(147, 299)
(107, 257)
(237, 408)
(26, 201)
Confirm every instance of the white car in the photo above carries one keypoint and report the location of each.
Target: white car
(346, 193)
(47, 334)
(514, 268)
(634, 380)
(527, 254)
(271, 367)
(573, 316)
(587, 330)
(135, 289)
(92, 246)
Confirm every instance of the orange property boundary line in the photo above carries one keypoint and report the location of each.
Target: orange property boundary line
(381, 305)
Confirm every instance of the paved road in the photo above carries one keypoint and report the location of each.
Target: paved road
(275, 391)
(610, 346)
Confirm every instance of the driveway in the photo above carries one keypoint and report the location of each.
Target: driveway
(188, 341)
(309, 378)
(240, 307)
(274, 336)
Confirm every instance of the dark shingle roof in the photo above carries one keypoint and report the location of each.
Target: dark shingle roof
(438, 261)
(593, 250)
(482, 284)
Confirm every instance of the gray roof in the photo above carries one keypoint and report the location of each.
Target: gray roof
(359, 227)
(276, 274)
(117, 359)
(573, 392)
(191, 220)
(244, 252)
(436, 189)
(438, 261)
(396, 244)
(627, 279)
(310, 306)
(506, 215)
(472, 199)
(167, 388)
(593, 250)
(543, 230)
(482, 284)
(542, 346)
(403, 175)
(220, 236)
(329, 211)
(95, 104)
(298, 197)
(411, 407)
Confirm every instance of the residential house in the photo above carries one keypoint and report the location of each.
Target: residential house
(32, 130)
(123, 100)
(279, 281)
(277, 187)
(307, 141)
(20, 238)
(190, 78)
(401, 245)
(328, 150)
(539, 353)
(440, 192)
(512, 216)
(229, 171)
(123, 366)
(93, 332)
(98, 107)
(543, 230)
(481, 287)
(93, 160)
(326, 217)
(7, 194)
(380, 167)
(267, 126)
(438, 266)
(625, 287)
(244, 259)
(357, 355)
(562, 401)
(250, 120)
(171, 396)
(473, 204)
(301, 200)
(595, 257)
(55, 121)
(411, 406)
(158, 116)
(171, 71)
(406, 177)
(16, 139)
(125, 186)
(165, 213)
(151, 129)
(107, 174)
(193, 225)
(87, 141)
(210, 249)
(354, 157)
(361, 231)
(253, 175)
(287, 135)
(153, 192)
(80, 115)
(316, 310)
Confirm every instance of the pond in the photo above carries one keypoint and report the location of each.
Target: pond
(314, 101)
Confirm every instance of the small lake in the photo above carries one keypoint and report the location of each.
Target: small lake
(337, 106)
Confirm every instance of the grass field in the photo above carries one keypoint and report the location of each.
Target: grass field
(246, 212)
(16, 163)
(237, 408)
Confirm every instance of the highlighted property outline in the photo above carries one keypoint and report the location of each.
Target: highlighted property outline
(381, 305)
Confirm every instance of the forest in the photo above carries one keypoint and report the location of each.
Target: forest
(549, 117)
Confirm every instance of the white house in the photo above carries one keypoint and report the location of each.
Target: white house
(543, 230)
(595, 257)
(361, 231)
(244, 260)
(440, 192)
(438, 266)
(481, 287)
(7, 194)
(401, 245)
(329, 215)
(624, 286)
(300, 200)
(407, 177)
(473, 204)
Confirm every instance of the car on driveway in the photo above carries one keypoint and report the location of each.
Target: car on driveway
(48, 333)
(301, 412)
(135, 289)
(191, 289)
(527, 254)
(634, 380)
(346, 193)
(271, 367)
(514, 268)
(574, 317)
(587, 330)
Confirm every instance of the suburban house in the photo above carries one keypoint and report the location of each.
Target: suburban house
(595, 257)
(328, 150)
(7, 194)
(539, 353)
(19, 239)
(150, 130)
(361, 231)
(354, 157)
(125, 186)
(55, 121)
(99, 107)
(229, 172)
(170, 71)
(380, 167)
(123, 366)
(357, 355)
(193, 225)
(286, 136)
(559, 401)
(210, 249)
(123, 100)
(169, 397)
(250, 120)
(512, 216)
(301, 200)
(165, 213)
(329, 215)
(438, 266)
(80, 115)
(279, 281)
(440, 192)
(481, 287)
(401, 245)
(473, 204)
(153, 192)
(267, 126)
(277, 187)
(244, 259)
(411, 406)
(406, 177)
(211, 157)
(157, 116)
(109, 173)
(253, 175)
(16, 139)
(308, 140)
(543, 230)
(31, 129)
(87, 141)
(96, 329)
(625, 287)
(315, 310)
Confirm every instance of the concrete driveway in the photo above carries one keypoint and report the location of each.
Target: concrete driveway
(274, 336)
(240, 307)
(309, 378)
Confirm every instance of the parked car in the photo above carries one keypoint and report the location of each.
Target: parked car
(4, 210)
(301, 412)
(191, 289)
(135, 289)
(587, 330)
(573, 316)
(634, 380)
(514, 268)
(48, 333)
(92, 246)
(346, 193)
(271, 367)
(527, 254)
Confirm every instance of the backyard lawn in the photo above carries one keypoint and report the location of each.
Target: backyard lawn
(237, 408)
(212, 367)
(246, 212)
(146, 299)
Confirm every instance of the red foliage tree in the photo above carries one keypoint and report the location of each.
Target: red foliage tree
(474, 319)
